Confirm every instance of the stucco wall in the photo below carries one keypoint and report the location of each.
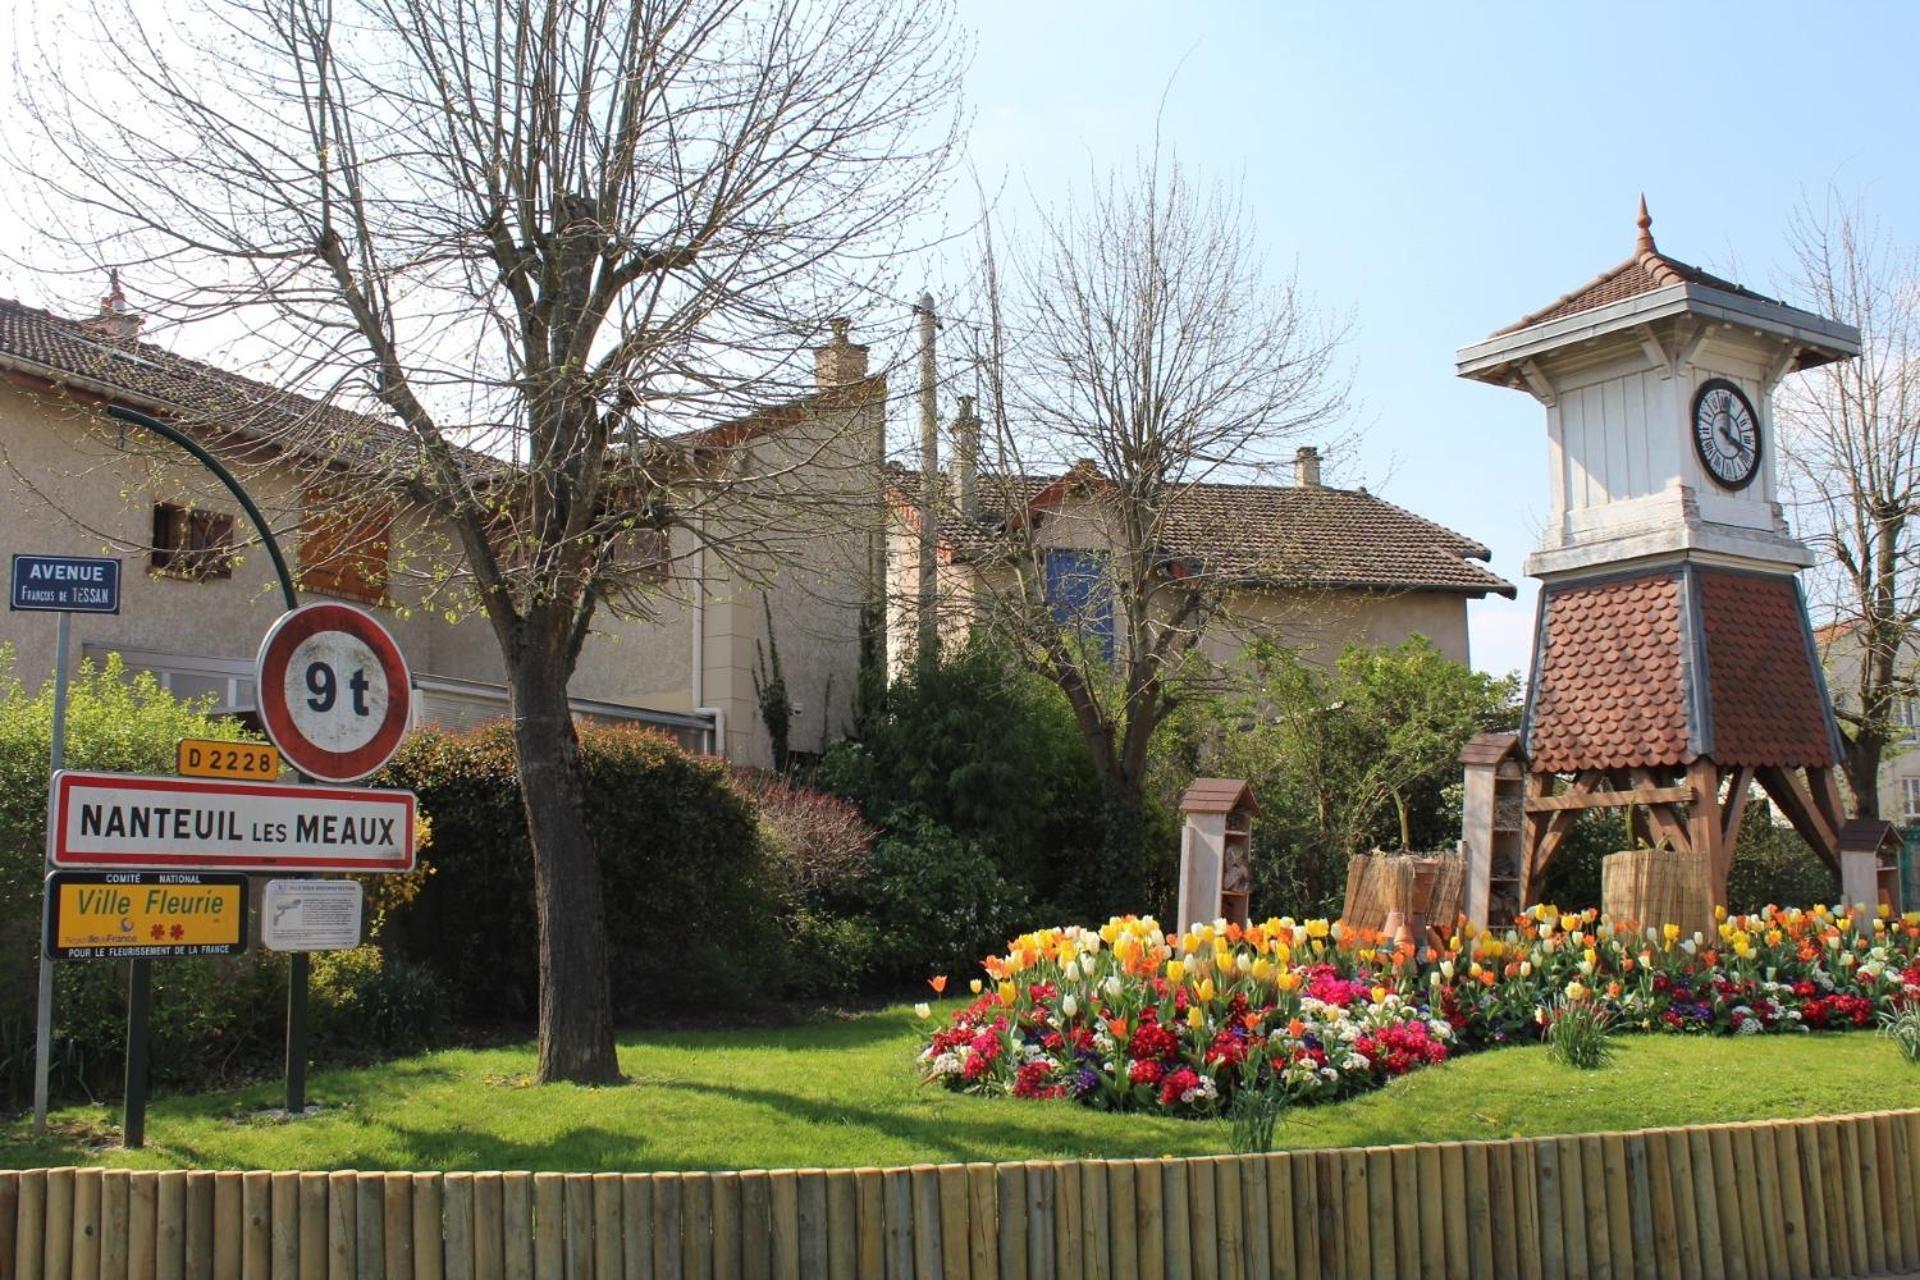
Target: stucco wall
(1318, 623)
(66, 487)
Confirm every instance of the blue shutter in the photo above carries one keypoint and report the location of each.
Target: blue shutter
(1081, 596)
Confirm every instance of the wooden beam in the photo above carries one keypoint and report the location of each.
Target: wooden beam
(1703, 823)
(1825, 786)
(1537, 382)
(1780, 368)
(1611, 799)
(1672, 827)
(1656, 353)
(1785, 790)
(1691, 346)
(1736, 811)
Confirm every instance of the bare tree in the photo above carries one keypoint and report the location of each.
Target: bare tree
(1851, 439)
(1134, 348)
(541, 238)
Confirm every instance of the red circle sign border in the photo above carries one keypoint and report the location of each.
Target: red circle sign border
(270, 672)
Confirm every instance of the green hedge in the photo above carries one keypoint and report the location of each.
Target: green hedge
(689, 912)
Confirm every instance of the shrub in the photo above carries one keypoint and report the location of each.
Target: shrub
(989, 752)
(122, 724)
(684, 881)
(818, 842)
(938, 903)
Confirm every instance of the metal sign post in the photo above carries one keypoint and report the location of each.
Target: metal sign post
(43, 1015)
(64, 585)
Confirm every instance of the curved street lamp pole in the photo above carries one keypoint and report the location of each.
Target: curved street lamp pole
(139, 982)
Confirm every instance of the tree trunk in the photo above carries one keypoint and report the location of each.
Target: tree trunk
(1862, 767)
(576, 1019)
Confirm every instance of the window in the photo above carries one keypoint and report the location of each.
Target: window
(647, 552)
(344, 548)
(1081, 596)
(1910, 798)
(191, 543)
(1906, 714)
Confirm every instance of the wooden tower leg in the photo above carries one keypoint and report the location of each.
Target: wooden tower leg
(1704, 831)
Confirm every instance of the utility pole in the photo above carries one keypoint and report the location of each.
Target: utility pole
(929, 583)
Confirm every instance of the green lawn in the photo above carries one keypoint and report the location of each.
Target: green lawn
(843, 1093)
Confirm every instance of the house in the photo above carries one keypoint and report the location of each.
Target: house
(1313, 565)
(1840, 653)
(198, 594)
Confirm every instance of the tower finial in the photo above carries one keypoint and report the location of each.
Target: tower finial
(1645, 223)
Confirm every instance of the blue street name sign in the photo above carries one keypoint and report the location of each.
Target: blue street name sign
(66, 584)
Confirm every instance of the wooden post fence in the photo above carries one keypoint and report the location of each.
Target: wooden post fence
(1764, 1201)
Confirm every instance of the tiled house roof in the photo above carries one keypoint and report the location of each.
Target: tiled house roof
(1621, 661)
(146, 376)
(1307, 535)
(1648, 269)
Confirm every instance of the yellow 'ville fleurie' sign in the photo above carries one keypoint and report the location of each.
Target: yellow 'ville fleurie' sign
(123, 915)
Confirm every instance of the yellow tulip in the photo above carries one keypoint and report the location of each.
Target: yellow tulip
(1204, 990)
(1006, 993)
(1262, 969)
(1175, 971)
(975, 985)
(1196, 1017)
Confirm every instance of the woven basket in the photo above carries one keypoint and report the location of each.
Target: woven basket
(1378, 883)
(1655, 887)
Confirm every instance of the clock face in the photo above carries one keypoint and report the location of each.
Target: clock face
(1726, 433)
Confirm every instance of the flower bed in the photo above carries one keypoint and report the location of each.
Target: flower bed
(1128, 1017)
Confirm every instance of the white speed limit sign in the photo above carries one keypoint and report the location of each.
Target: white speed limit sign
(334, 691)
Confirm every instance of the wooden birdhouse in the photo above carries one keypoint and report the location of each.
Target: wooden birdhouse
(1216, 851)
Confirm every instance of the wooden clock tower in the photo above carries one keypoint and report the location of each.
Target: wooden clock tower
(1673, 662)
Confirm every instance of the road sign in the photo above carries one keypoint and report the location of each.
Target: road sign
(334, 691)
(247, 761)
(310, 915)
(123, 820)
(144, 915)
(66, 584)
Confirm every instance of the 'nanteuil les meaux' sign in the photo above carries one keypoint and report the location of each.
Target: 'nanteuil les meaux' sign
(124, 820)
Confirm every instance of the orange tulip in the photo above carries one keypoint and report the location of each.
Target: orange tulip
(938, 983)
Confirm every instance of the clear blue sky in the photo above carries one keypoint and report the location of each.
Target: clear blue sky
(1439, 170)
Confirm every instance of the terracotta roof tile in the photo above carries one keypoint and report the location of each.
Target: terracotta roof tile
(198, 393)
(1769, 707)
(1648, 269)
(1610, 689)
(1294, 534)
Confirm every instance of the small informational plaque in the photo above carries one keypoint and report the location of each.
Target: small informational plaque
(310, 915)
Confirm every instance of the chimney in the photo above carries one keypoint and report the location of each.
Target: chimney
(116, 321)
(966, 458)
(1306, 467)
(839, 362)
